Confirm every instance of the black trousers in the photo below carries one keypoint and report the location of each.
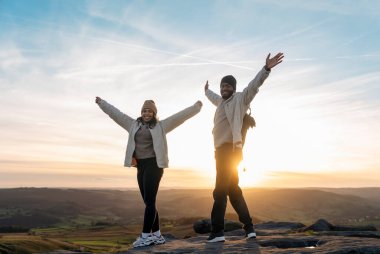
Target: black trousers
(227, 184)
(149, 177)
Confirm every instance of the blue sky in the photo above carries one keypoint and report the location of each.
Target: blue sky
(317, 113)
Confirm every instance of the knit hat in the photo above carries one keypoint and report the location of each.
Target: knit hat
(229, 79)
(150, 105)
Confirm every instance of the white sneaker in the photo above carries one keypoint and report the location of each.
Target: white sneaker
(216, 237)
(141, 242)
(158, 239)
(251, 235)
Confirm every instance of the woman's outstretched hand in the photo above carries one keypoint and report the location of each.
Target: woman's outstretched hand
(98, 99)
(199, 103)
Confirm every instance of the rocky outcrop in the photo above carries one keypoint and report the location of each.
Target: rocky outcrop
(204, 226)
(319, 225)
(276, 238)
(323, 225)
(274, 225)
(267, 244)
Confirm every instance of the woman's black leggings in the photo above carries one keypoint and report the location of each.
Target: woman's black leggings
(149, 177)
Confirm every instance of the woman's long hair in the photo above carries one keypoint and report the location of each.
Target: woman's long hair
(151, 124)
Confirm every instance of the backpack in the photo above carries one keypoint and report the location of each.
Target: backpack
(248, 122)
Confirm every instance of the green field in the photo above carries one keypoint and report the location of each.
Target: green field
(24, 243)
(95, 239)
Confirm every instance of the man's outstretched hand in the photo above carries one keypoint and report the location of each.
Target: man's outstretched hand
(97, 99)
(272, 62)
(206, 86)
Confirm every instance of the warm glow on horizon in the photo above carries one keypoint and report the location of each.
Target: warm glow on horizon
(250, 176)
(90, 175)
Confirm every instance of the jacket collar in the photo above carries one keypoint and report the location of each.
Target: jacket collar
(229, 99)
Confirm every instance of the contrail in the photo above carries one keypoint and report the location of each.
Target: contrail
(139, 47)
(203, 61)
(121, 69)
(170, 53)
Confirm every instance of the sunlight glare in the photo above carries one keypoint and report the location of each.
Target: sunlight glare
(249, 176)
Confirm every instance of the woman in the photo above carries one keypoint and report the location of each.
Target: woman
(147, 150)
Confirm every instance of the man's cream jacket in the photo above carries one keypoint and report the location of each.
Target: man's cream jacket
(237, 105)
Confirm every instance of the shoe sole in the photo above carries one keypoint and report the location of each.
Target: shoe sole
(143, 245)
(217, 239)
(159, 242)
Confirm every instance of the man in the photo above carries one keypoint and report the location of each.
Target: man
(228, 121)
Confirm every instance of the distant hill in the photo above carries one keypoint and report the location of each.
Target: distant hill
(372, 194)
(41, 207)
(280, 204)
(309, 205)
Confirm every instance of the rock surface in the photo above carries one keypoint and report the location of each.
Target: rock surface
(323, 225)
(276, 238)
(204, 226)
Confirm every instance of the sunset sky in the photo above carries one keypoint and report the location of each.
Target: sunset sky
(317, 114)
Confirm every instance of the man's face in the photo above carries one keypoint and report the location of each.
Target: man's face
(147, 114)
(226, 90)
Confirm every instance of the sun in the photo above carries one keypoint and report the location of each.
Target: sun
(250, 176)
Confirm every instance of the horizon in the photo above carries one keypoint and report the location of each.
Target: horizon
(317, 114)
(181, 188)
(120, 177)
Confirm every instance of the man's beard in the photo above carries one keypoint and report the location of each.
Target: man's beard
(227, 96)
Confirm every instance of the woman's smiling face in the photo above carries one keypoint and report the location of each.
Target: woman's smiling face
(147, 114)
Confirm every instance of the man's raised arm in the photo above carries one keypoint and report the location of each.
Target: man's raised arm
(253, 87)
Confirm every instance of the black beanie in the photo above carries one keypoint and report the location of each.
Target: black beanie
(229, 79)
